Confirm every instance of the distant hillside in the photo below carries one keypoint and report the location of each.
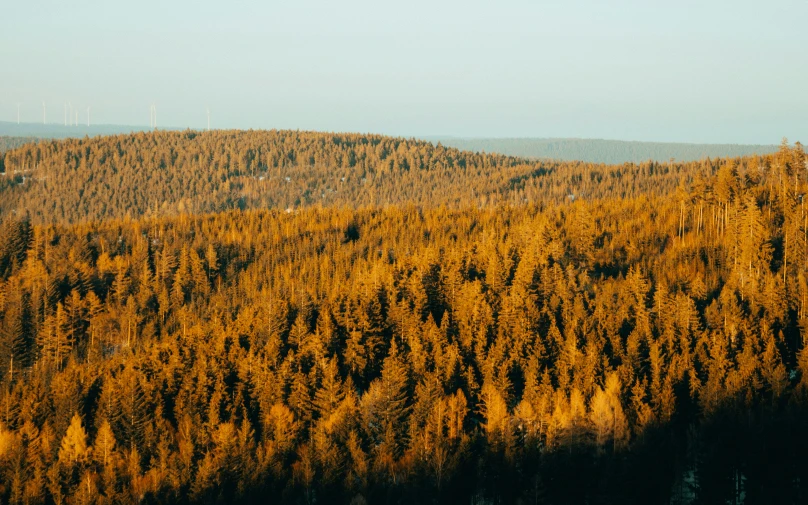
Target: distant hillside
(169, 173)
(602, 151)
(588, 150)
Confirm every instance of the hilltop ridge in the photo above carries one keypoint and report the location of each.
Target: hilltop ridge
(172, 172)
(566, 149)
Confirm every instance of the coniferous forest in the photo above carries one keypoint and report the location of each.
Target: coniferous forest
(296, 317)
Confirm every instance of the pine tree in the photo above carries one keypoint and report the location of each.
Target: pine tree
(607, 414)
(497, 418)
(330, 394)
(73, 449)
(385, 404)
(104, 446)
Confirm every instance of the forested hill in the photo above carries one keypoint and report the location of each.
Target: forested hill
(603, 151)
(639, 350)
(167, 173)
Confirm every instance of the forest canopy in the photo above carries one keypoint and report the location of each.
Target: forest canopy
(172, 173)
(444, 326)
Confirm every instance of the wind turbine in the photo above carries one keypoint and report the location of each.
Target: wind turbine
(44, 113)
(65, 114)
(208, 110)
(70, 104)
(88, 116)
(77, 117)
(18, 113)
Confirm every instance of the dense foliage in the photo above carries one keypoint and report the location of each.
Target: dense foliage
(604, 151)
(614, 349)
(170, 173)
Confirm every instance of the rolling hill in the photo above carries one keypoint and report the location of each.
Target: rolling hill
(222, 317)
(567, 149)
(169, 172)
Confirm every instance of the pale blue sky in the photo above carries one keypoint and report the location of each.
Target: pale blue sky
(709, 71)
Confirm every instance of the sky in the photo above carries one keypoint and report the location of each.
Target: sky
(685, 71)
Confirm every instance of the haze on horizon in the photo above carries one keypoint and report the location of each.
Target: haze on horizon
(712, 72)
